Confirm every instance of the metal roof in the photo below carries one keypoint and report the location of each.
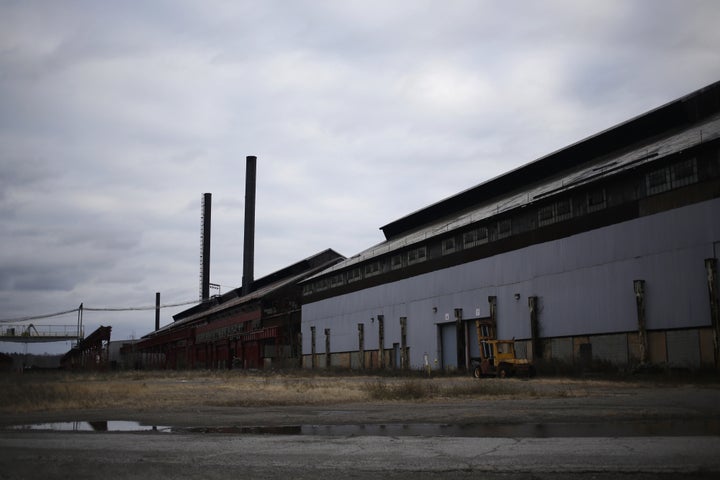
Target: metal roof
(255, 295)
(678, 114)
(590, 171)
(314, 264)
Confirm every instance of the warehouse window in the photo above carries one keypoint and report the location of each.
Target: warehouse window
(504, 228)
(596, 200)
(684, 173)
(475, 237)
(354, 275)
(307, 289)
(417, 255)
(658, 181)
(546, 215)
(372, 269)
(558, 211)
(337, 280)
(448, 246)
(396, 262)
(563, 209)
(674, 176)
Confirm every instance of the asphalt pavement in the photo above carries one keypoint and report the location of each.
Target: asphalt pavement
(157, 455)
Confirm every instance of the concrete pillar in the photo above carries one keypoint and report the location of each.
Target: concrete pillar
(639, 286)
(313, 358)
(404, 354)
(460, 339)
(712, 281)
(535, 329)
(492, 300)
(381, 341)
(361, 345)
(327, 348)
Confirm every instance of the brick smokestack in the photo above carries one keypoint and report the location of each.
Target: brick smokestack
(249, 234)
(205, 247)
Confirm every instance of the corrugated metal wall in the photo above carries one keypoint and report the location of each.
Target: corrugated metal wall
(584, 285)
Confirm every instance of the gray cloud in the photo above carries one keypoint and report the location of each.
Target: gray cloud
(116, 117)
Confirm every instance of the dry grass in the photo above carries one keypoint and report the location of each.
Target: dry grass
(59, 391)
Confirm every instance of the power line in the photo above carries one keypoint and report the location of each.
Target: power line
(94, 309)
(38, 317)
(128, 309)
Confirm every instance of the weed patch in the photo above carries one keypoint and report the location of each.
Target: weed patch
(60, 391)
(403, 390)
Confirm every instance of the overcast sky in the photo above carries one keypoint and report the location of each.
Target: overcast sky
(115, 118)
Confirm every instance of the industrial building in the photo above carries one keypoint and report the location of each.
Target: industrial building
(257, 329)
(90, 353)
(256, 325)
(602, 252)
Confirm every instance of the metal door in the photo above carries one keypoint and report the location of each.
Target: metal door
(448, 342)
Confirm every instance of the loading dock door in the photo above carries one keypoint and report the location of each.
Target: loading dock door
(448, 343)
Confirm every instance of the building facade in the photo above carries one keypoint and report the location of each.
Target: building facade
(257, 329)
(604, 251)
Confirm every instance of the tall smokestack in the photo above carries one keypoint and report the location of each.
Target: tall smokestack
(205, 220)
(249, 234)
(157, 311)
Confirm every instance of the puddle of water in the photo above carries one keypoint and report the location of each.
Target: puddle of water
(672, 428)
(275, 430)
(100, 426)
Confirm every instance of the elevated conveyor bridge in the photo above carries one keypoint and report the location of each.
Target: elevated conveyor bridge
(30, 333)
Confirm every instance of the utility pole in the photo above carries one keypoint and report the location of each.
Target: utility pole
(79, 324)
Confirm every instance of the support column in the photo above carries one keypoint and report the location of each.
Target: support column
(492, 300)
(404, 354)
(712, 281)
(534, 329)
(639, 286)
(361, 345)
(327, 348)
(460, 339)
(80, 334)
(381, 341)
(313, 358)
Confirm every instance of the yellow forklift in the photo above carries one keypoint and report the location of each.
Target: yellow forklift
(497, 357)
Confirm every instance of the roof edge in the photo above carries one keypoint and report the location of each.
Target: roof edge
(689, 108)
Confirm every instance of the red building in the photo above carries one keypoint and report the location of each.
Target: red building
(91, 353)
(256, 330)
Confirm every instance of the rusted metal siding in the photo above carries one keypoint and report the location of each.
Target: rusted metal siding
(683, 348)
(232, 326)
(707, 353)
(657, 341)
(562, 349)
(610, 348)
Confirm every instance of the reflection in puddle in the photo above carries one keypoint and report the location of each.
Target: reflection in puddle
(666, 428)
(97, 426)
(524, 430)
